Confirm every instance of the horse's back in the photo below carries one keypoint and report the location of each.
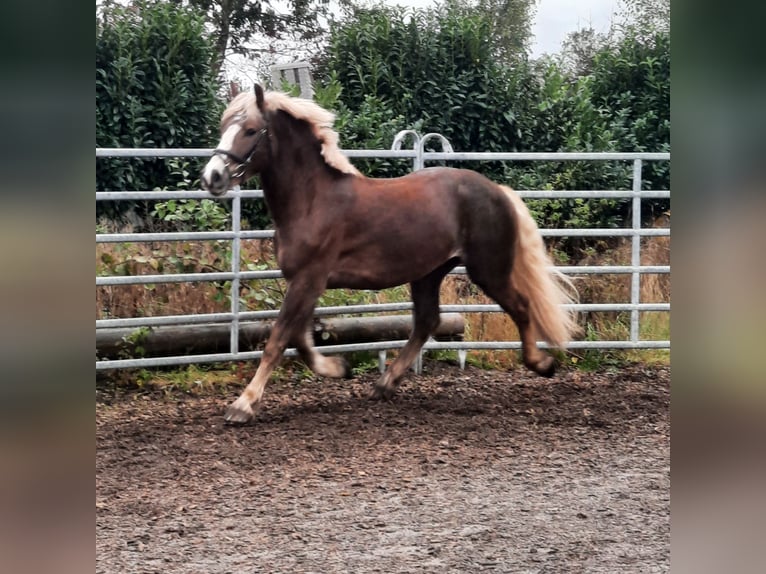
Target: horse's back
(442, 202)
(437, 195)
(445, 183)
(430, 175)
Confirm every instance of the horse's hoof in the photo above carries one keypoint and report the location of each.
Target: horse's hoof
(238, 415)
(333, 367)
(382, 393)
(347, 372)
(546, 367)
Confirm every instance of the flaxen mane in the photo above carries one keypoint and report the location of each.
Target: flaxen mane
(321, 122)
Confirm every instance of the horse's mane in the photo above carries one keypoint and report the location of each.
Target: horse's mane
(318, 118)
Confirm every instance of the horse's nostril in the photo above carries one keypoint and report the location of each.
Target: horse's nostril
(216, 176)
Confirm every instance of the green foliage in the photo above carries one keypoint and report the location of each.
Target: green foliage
(363, 362)
(188, 214)
(643, 19)
(261, 295)
(596, 359)
(579, 50)
(186, 380)
(192, 215)
(566, 118)
(425, 70)
(154, 88)
(632, 81)
(132, 345)
(510, 26)
(125, 259)
(370, 127)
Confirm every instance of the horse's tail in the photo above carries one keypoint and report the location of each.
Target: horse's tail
(546, 289)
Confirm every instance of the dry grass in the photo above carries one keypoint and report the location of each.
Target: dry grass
(180, 298)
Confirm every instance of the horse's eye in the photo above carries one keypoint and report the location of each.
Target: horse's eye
(250, 132)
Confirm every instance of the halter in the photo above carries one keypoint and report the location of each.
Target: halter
(241, 165)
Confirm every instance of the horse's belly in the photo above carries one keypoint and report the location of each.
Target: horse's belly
(383, 270)
(396, 241)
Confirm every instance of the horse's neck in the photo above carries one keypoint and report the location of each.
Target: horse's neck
(291, 185)
(297, 174)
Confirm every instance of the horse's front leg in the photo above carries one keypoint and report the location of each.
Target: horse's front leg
(294, 315)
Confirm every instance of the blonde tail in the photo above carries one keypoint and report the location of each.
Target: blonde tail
(545, 288)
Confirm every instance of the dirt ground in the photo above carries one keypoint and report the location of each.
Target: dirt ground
(464, 471)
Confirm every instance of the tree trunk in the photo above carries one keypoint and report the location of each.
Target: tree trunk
(222, 37)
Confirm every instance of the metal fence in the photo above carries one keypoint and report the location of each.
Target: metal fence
(419, 156)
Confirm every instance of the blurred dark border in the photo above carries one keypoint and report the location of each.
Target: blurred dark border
(47, 178)
(718, 110)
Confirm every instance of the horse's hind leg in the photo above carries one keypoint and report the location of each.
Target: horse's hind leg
(335, 367)
(517, 306)
(425, 299)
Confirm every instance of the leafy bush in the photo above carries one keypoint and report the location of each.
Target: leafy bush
(631, 80)
(372, 126)
(154, 88)
(434, 70)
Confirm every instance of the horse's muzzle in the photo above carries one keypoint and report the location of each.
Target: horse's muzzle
(215, 177)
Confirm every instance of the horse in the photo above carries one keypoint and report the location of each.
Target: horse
(336, 228)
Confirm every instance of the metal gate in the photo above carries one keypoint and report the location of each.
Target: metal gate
(419, 157)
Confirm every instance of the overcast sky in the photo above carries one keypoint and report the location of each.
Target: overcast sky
(555, 19)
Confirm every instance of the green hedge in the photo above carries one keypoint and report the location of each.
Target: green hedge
(154, 88)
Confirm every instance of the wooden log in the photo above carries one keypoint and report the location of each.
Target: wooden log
(214, 338)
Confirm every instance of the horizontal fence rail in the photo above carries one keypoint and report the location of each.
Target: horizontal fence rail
(419, 156)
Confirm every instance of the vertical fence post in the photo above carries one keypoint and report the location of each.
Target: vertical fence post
(446, 146)
(236, 221)
(635, 253)
(417, 162)
(417, 366)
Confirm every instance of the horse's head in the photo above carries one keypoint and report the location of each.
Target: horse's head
(244, 147)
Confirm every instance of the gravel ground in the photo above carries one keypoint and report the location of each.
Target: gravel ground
(463, 471)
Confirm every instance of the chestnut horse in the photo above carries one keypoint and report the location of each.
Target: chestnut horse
(337, 228)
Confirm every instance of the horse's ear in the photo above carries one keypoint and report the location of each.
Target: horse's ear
(259, 97)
